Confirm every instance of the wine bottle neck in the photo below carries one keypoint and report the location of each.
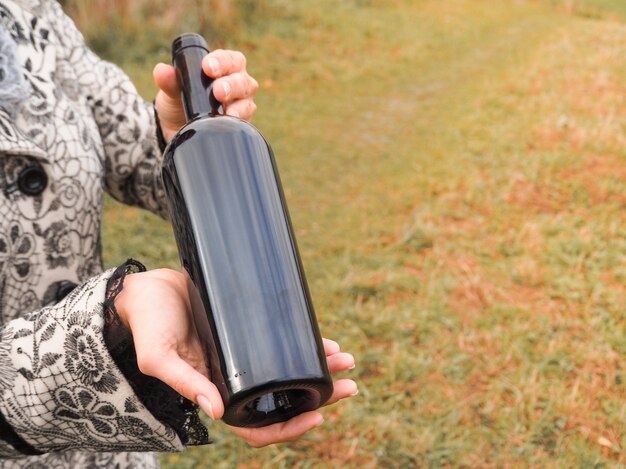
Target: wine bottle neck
(196, 86)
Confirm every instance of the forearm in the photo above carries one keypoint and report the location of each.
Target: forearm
(61, 390)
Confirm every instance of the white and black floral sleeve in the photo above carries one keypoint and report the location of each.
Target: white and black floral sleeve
(69, 382)
(61, 388)
(126, 123)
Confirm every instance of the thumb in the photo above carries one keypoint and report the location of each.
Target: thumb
(188, 382)
(165, 78)
(168, 102)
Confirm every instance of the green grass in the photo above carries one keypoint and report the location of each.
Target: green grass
(456, 177)
(599, 9)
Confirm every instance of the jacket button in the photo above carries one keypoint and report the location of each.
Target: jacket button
(57, 291)
(64, 288)
(32, 180)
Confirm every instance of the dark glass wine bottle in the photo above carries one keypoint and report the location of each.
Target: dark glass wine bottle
(250, 299)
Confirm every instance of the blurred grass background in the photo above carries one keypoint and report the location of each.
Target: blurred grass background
(456, 175)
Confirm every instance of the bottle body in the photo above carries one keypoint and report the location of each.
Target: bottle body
(251, 303)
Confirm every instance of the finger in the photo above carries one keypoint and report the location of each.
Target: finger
(340, 362)
(244, 109)
(330, 346)
(221, 62)
(185, 380)
(342, 388)
(235, 86)
(165, 78)
(280, 432)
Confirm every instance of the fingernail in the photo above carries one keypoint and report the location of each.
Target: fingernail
(354, 393)
(353, 366)
(205, 405)
(320, 422)
(214, 64)
(226, 87)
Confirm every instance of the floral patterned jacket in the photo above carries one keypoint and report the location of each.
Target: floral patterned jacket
(71, 127)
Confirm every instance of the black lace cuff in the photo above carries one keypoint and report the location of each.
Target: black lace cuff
(159, 132)
(163, 402)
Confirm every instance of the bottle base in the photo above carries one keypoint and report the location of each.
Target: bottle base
(274, 405)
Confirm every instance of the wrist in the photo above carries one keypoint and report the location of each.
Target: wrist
(122, 300)
(116, 330)
(117, 290)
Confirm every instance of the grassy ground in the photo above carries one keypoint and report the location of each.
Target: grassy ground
(456, 175)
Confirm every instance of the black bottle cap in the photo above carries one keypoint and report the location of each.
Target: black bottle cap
(196, 88)
(187, 40)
